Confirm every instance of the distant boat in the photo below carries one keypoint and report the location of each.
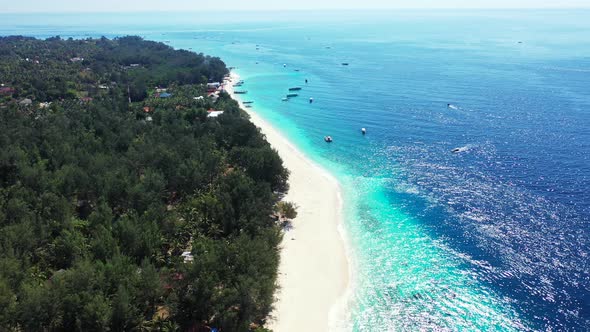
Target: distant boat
(247, 106)
(345, 63)
(241, 92)
(295, 89)
(461, 149)
(285, 99)
(238, 84)
(310, 100)
(364, 131)
(248, 102)
(328, 139)
(296, 69)
(292, 95)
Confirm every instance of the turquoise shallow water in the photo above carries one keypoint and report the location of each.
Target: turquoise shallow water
(495, 237)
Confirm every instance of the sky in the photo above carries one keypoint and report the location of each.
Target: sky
(201, 5)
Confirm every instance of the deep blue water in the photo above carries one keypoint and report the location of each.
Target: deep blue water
(495, 237)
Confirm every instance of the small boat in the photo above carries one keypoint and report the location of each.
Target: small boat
(461, 149)
(248, 102)
(295, 89)
(328, 139)
(364, 131)
(296, 69)
(345, 63)
(292, 95)
(285, 99)
(306, 81)
(310, 100)
(238, 84)
(241, 92)
(248, 106)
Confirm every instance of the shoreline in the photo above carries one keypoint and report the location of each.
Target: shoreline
(313, 274)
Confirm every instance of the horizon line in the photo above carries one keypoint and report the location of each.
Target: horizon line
(260, 10)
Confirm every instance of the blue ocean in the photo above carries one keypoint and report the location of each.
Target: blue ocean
(467, 202)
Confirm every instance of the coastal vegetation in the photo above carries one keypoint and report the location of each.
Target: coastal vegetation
(286, 210)
(123, 204)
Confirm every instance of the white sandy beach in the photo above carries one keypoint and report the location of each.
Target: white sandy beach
(313, 273)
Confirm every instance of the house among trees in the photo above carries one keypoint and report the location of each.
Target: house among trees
(188, 256)
(25, 102)
(4, 90)
(213, 113)
(44, 105)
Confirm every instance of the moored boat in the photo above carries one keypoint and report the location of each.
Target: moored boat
(328, 139)
(241, 92)
(292, 95)
(295, 89)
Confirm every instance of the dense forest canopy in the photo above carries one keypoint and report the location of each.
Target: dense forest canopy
(123, 205)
